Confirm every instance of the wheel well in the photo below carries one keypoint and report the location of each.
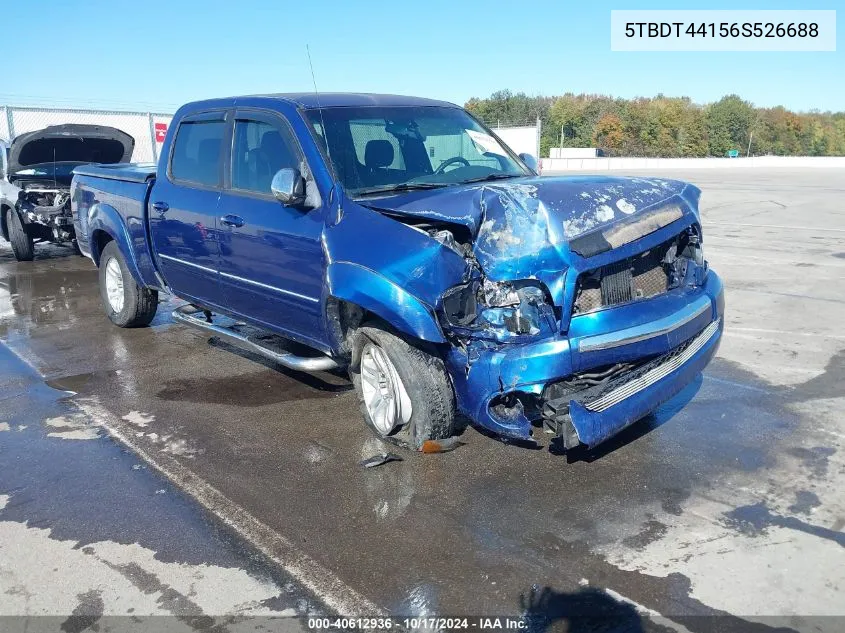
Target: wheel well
(344, 317)
(98, 242)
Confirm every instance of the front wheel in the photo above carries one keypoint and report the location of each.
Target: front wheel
(126, 303)
(22, 245)
(405, 392)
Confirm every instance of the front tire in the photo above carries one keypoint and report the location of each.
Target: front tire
(126, 303)
(404, 392)
(22, 244)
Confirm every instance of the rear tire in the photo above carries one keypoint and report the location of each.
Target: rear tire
(22, 245)
(408, 382)
(126, 303)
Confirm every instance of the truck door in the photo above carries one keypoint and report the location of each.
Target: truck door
(271, 260)
(183, 209)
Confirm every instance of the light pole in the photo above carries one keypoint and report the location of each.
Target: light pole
(751, 134)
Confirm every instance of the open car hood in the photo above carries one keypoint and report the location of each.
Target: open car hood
(69, 143)
(523, 226)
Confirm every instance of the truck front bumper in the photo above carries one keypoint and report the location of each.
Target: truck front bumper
(632, 395)
(504, 388)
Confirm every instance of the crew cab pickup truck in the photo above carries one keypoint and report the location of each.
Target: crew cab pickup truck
(400, 238)
(35, 176)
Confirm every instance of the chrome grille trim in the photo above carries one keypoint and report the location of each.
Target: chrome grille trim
(654, 375)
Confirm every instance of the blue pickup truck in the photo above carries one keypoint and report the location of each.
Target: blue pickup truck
(400, 238)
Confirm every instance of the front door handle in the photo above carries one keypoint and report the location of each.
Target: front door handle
(232, 220)
(160, 207)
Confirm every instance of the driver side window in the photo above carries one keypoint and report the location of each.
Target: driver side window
(259, 150)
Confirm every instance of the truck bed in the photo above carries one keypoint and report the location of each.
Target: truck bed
(130, 172)
(111, 200)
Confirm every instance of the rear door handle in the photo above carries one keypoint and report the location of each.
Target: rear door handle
(232, 220)
(161, 207)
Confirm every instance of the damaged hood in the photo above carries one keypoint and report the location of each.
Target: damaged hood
(70, 143)
(524, 226)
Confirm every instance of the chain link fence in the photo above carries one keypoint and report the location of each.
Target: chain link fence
(147, 128)
(520, 138)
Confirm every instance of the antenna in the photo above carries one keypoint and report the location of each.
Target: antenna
(320, 108)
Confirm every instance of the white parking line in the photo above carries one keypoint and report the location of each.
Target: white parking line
(654, 616)
(733, 328)
(818, 229)
(323, 583)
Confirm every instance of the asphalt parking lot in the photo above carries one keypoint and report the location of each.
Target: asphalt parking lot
(724, 506)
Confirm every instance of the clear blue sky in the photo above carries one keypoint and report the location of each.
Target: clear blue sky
(155, 54)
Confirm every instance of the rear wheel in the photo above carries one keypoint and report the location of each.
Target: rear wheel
(126, 303)
(22, 245)
(404, 392)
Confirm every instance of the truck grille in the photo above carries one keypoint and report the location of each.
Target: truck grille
(638, 277)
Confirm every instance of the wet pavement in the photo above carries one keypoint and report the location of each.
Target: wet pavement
(92, 539)
(724, 507)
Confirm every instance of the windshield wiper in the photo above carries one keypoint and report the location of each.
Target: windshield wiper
(405, 186)
(492, 177)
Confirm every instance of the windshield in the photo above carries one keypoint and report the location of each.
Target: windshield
(382, 149)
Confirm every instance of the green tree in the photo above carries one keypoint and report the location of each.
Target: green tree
(609, 133)
(666, 126)
(729, 123)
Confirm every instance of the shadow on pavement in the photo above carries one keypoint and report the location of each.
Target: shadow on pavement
(587, 610)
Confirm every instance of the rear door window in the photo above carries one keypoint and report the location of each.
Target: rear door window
(196, 152)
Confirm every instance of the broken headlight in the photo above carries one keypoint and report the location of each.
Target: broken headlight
(692, 251)
(500, 309)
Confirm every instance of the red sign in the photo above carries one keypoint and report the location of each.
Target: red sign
(160, 131)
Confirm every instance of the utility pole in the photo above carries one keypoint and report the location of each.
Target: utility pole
(751, 134)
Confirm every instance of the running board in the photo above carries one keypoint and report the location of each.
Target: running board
(196, 317)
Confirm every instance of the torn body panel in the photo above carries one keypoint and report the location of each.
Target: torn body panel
(523, 226)
(397, 273)
(494, 275)
(484, 372)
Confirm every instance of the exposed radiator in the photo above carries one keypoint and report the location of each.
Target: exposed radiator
(638, 277)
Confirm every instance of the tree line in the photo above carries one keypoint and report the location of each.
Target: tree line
(666, 126)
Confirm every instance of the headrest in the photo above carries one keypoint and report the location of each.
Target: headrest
(378, 153)
(272, 144)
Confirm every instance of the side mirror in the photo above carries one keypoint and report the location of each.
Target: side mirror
(288, 187)
(531, 161)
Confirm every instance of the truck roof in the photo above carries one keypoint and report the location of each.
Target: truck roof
(309, 100)
(338, 99)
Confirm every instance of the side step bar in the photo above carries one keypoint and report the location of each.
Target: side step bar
(196, 317)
